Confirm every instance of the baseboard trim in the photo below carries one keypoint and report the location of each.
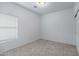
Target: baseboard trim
(14, 46)
(61, 42)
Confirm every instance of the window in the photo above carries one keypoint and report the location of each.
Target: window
(8, 27)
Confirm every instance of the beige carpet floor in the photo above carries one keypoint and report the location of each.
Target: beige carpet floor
(43, 48)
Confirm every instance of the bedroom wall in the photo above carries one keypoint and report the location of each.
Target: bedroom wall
(59, 26)
(76, 7)
(28, 25)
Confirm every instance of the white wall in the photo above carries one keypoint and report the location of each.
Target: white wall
(28, 25)
(58, 26)
(76, 7)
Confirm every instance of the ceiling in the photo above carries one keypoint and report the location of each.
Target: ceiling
(51, 7)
